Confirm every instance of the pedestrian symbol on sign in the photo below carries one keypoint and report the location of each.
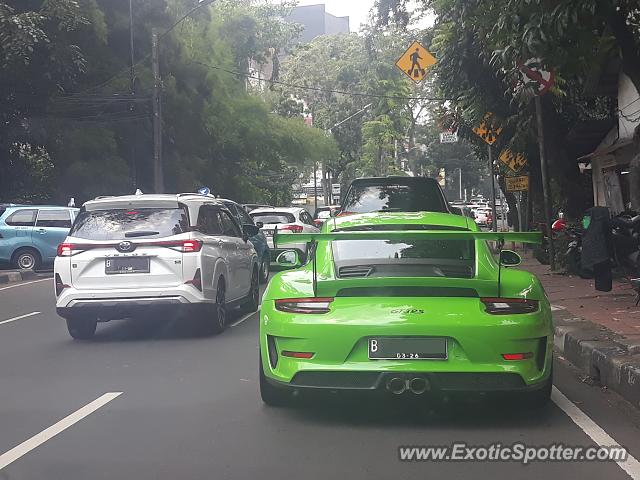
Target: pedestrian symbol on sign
(415, 61)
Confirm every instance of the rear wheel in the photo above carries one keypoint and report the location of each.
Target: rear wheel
(265, 268)
(270, 394)
(220, 314)
(252, 301)
(81, 328)
(26, 259)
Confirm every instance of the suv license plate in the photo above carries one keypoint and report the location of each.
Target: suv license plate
(113, 266)
(407, 348)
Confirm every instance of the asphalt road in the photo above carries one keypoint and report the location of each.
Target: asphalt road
(154, 399)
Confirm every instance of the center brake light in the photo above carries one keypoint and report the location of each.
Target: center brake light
(292, 228)
(509, 306)
(313, 305)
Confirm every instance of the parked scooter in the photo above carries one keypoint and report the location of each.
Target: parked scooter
(573, 254)
(626, 242)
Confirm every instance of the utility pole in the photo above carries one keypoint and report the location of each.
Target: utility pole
(132, 89)
(133, 70)
(460, 193)
(493, 190)
(158, 177)
(546, 189)
(315, 187)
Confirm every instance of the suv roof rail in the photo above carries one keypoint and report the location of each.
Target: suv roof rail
(196, 194)
(100, 197)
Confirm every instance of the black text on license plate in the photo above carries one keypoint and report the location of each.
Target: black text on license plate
(268, 233)
(126, 265)
(408, 348)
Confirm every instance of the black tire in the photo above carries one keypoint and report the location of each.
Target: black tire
(539, 399)
(265, 268)
(26, 259)
(270, 394)
(219, 323)
(81, 328)
(252, 302)
(573, 262)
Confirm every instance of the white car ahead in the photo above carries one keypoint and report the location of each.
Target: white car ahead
(154, 254)
(291, 220)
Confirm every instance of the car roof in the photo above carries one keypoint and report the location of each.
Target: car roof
(403, 218)
(392, 179)
(15, 206)
(149, 200)
(278, 209)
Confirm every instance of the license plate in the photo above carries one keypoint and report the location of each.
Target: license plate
(408, 348)
(113, 266)
(268, 233)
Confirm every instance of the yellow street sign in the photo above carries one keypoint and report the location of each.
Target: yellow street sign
(415, 61)
(487, 130)
(515, 161)
(517, 184)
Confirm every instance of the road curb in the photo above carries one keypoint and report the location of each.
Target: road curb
(11, 277)
(608, 358)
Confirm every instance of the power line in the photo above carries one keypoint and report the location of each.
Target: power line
(318, 89)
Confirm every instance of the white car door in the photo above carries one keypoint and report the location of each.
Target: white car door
(210, 232)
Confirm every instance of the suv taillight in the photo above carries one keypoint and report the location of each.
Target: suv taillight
(509, 306)
(291, 228)
(69, 249)
(304, 305)
(184, 246)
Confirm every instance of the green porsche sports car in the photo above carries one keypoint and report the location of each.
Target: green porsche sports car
(409, 303)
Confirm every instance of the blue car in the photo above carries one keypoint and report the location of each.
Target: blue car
(259, 241)
(30, 234)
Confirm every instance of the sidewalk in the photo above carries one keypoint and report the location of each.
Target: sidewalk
(599, 332)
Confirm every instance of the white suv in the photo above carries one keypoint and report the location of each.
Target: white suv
(142, 254)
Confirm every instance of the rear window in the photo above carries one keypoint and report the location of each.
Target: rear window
(22, 218)
(269, 218)
(396, 197)
(120, 224)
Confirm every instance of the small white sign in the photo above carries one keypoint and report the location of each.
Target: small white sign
(448, 137)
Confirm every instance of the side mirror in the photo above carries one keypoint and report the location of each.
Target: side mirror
(250, 230)
(509, 258)
(289, 259)
(259, 224)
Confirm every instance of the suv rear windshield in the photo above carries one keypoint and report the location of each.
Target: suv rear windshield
(269, 218)
(118, 224)
(395, 196)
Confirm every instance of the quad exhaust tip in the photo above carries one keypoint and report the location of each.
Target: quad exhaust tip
(398, 385)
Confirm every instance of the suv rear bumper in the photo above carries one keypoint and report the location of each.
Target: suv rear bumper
(111, 309)
(121, 303)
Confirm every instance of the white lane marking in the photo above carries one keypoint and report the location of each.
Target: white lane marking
(20, 317)
(597, 434)
(246, 317)
(25, 283)
(25, 447)
(555, 308)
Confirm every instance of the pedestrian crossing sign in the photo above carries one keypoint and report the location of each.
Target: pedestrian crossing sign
(415, 61)
(515, 161)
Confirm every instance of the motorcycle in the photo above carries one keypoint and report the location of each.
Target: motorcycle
(625, 236)
(573, 254)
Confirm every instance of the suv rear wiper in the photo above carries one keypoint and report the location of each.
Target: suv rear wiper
(141, 233)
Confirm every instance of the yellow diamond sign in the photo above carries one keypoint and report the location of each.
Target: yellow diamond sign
(487, 130)
(515, 161)
(415, 61)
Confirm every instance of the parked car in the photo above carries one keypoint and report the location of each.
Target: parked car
(139, 254)
(323, 213)
(30, 234)
(293, 219)
(394, 194)
(259, 241)
(483, 217)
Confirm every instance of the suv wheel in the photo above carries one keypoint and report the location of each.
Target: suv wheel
(26, 259)
(252, 302)
(265, 268)
(81, 328)
(220, 313)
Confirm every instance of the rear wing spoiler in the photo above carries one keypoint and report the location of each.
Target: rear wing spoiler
(280, 239)
(500, 238)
